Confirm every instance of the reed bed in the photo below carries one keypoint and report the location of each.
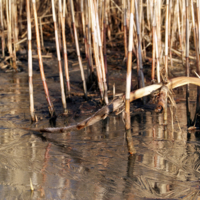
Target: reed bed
(155, 31)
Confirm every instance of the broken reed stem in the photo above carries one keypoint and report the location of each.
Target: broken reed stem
(59, 57)
(129, 69)
(30, 67)
(78, 50)
(65, 50)
(50, 104)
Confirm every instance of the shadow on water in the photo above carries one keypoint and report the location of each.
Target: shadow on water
(93, 163)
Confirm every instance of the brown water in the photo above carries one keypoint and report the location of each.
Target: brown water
(92, 163)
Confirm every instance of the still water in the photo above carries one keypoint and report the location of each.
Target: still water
(93, 163)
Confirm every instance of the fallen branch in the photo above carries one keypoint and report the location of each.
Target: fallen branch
(118, 104)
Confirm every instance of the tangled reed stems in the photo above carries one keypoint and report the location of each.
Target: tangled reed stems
(153, 30)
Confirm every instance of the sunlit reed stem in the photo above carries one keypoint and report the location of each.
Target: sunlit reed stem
(95, 49)
(140, 72)
(59, 57)
(101, 55)
(65, 50)
(166, 38)
(78, 50)
(2, 29)
(30, 67)
(155, 43)
(187, 39)
(50, 104)
(129, 68)
(104, 42)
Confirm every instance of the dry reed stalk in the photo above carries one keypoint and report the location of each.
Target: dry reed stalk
(9, 32)
(78, 50)
(125, 31)
(84, 36)
(50, 104)
(101, 57)
(108, 20)
(88, 37)
(59, 24)
(41, 33)
(187, 39)
(156, 43)
(158, 26)
(157, 59)
(30, 67)
(169, 31)
(153, 42)
(58, 56)
(198, 28)
(140, 72)
(183, 25)
(104, 43)
(179, 30)
(2, 29)
(95, 48)
(166, 37)
(65, 50)
(195, 37)
(129, 70)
